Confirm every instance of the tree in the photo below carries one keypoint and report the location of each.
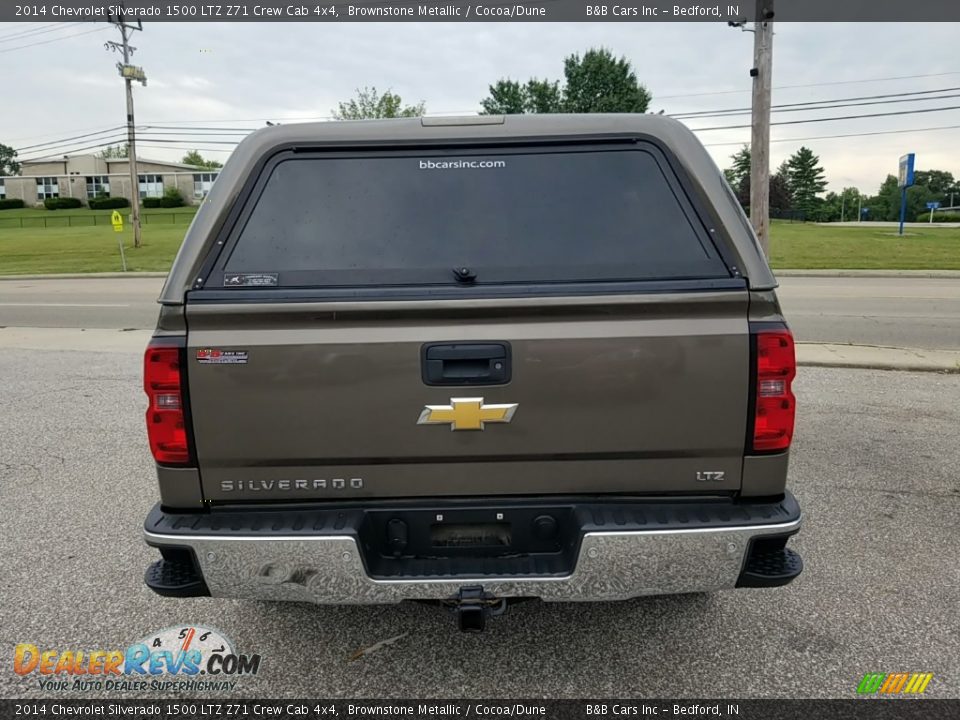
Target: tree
(885, 205)
(781, 200)
(740, 170)
(595, 83)
(938, 182)
(600, 83)
(543, 96)
(114, 152)
(197, 160)
(370, 105)
(8, 160)
(509, 97)
(805, 178)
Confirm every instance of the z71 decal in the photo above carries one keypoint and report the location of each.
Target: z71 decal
(214, 356)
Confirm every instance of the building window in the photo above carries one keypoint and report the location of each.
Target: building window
(202, 182)
(151, 186)
(3, 191)
(47, 187)
(98, 186)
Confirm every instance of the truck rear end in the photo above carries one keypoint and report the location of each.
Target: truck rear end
(469, 360)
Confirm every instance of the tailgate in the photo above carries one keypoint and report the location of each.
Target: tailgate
(645, 395)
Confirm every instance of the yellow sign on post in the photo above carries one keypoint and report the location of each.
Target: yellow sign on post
(116, 220)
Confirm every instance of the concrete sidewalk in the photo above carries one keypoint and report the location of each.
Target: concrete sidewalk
(812, 354)
(879, 358)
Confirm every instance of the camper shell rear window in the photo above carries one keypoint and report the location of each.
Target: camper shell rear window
(505, 215)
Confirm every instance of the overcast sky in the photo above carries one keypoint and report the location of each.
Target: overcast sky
(241, 74)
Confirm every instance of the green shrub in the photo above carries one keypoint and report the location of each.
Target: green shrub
(151, 202)
(61, 203)
(107, 203)
(171, 198)
(11, 204)
(939, 217)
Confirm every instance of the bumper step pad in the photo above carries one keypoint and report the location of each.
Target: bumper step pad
(771, 568)
(175, 578)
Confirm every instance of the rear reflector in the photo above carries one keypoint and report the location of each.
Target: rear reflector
(776, 407)
(166, 425)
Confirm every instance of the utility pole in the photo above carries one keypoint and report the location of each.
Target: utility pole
(760, 133)
(129, 73)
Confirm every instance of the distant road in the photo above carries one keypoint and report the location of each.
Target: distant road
(899, 312)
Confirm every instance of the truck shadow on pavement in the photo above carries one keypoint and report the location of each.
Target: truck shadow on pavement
(535, 648)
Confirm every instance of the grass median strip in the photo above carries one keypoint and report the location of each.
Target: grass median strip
(89, 248)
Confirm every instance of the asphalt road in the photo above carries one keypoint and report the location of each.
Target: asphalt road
(874, 468)
(897, 312)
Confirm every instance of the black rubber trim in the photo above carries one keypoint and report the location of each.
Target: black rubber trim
(770, 563)
(176, 574)
(622, 514)
(708, 220)
(215, 295)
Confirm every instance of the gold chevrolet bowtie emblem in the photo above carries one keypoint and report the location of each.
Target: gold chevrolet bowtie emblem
(466, 414)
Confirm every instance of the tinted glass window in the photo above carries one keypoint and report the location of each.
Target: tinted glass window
(559, 216)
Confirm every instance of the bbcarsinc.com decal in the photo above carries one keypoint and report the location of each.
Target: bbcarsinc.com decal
(189, 658)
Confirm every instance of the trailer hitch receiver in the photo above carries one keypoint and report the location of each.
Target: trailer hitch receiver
(473, 606)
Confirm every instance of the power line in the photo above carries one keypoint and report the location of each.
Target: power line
(827, 104)
(201, 130)
(67, 151)
(107, 142)
(828, 119)
(204, 137)
(64, 141)
(23, 34)
(822, 84)
(847, 135)
(45, 42)
(717, 144)
(206, 131)
(190, 147)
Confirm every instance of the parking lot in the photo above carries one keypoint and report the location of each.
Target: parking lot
(874, 466)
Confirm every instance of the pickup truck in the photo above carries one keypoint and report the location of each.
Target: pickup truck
(468, 360)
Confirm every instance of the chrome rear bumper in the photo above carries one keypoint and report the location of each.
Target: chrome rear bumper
(610, 565)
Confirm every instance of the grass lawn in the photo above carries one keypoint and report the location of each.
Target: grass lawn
(807, 246)
(795, 245)
(87, 249)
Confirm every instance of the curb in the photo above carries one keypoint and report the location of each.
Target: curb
(85, 276)
(943, 274)
(892, 367)
(872, 357)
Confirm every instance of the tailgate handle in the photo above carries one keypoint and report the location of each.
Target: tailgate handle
(466, 363)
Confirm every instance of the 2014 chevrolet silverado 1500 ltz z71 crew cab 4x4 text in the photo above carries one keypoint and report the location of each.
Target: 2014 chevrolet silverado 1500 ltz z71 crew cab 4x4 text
(469, 360)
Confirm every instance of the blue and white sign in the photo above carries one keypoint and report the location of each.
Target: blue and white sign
(932, 205)
(905, 178)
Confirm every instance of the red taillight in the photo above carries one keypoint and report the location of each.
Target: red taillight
(776, 406)
(166, 424)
